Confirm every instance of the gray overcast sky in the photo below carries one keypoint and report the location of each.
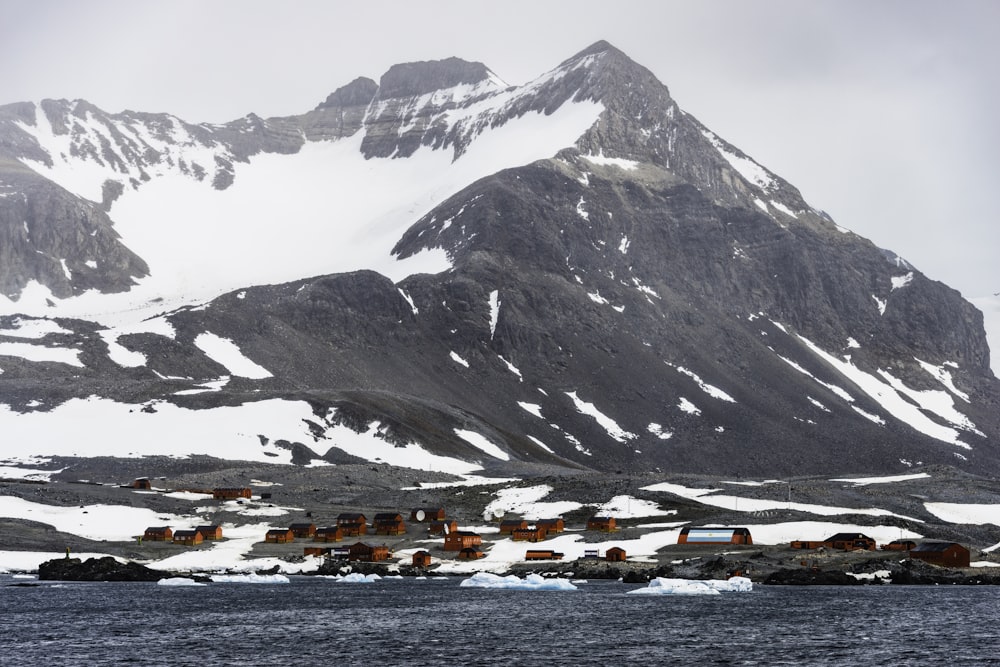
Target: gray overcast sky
(882, 112)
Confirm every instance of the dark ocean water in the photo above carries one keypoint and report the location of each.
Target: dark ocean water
(426, 622)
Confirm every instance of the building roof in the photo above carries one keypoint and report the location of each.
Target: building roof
(847, 537)
(936, 546)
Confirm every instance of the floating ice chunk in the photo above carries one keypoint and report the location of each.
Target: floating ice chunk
(664, 586)
(252, 578)
(531, 582)
(179, 581)
(358, 578)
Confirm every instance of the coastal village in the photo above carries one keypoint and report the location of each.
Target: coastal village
(388, 537)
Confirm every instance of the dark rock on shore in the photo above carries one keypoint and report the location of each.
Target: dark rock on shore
(807, 577)
(96, 569)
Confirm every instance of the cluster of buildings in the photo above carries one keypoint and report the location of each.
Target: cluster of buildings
(945, 554)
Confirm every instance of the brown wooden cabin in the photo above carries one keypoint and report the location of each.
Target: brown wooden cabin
(188, 538)
(615, 555)
(367, 554)
(328, 534)
(351, 517)
(849, 542)
(605, 524)
(442, 527)
(806, 544)
(305, 530)
(427, 514)
(231, 493)
(142, 483)
(158, 534)
(389, 524)
(556, 525)
(354, 524)
(689, 535)
(421, 559)
(529, 534)
(508, 526)
(898, 545)
(471, 553)
(353, 529)
(279, 536)
(461, 539)
(540, 554)
(316, 551)
(944, 554)
(212, 532)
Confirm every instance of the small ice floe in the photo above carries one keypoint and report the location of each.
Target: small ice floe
(531, 582)
(179, 581)
(358, 578)
(664, 586)
(252, 578)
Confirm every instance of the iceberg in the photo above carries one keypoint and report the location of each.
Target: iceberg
(531, 582)
(251, 578)
(665, 586)
(357, 578)
(179, 581)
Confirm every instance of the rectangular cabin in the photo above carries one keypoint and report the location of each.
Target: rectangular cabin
(354, 524)
(279, 536)
(540, 554)
(556, 525)
(421, 559)
(213, 532)
(303, 530)
(461, 539)
(529, 534)
(427, 514)
(690, 535)
(367, 554)
(805, 544)
(943, 554)
(188, 538)
(389, 524)
(508, 526)
(849, 542)
(615, 555)
(231, 493)
(604, 524)
(471, 553)
(158, 534)
(328, 534)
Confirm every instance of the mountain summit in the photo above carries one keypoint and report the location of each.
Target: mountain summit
(447, 272)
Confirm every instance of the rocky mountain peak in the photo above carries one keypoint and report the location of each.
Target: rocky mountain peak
(420, 78)
(356, 93)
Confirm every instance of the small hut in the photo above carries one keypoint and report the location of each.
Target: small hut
(142, 483)
(508, 526)
(389, 524)
(211, 532)
(328, 534)
(604, 524)
(461, 539)
(279, 536)
(158, 534)
(899, 545)
(529, 534)
(421, 559)
(471, 553)
(303, 529)
(188, 538)
(944, 554)
(849, 542)
(542, 554)
(231, 492)
(556, 525)
(615, 555)
(367, 554)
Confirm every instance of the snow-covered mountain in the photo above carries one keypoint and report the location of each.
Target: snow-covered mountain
(443, 271)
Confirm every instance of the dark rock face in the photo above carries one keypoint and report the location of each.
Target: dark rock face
(808, 577)
(96, 569)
